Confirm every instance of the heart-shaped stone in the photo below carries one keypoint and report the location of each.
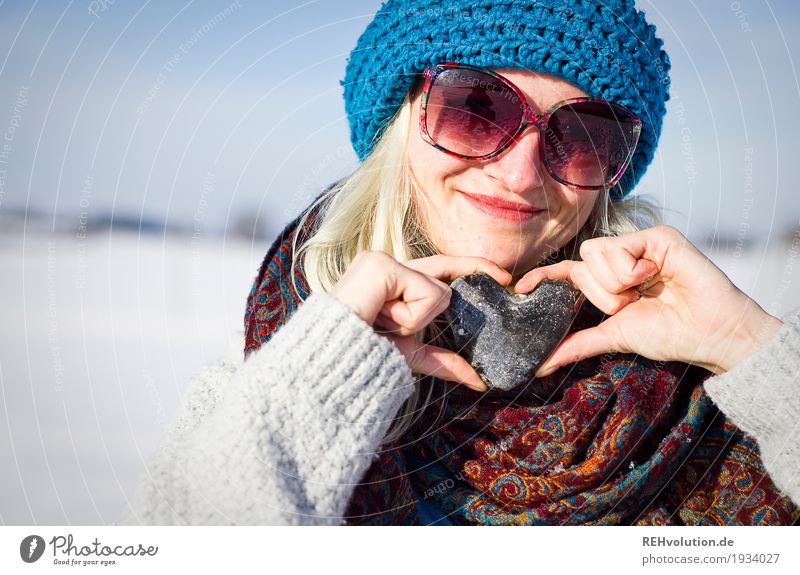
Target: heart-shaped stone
(505, 336)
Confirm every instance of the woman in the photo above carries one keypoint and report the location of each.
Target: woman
(500, 138)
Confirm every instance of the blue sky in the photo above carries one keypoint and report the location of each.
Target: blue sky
(174, 109)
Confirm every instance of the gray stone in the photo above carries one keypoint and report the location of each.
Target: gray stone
(507, 336)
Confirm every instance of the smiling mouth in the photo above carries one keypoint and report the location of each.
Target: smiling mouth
(501, 209)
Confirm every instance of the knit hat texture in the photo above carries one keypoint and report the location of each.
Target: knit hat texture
(604, 47)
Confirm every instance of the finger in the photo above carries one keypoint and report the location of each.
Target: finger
(438, 362)
(615, 268)
(448, 268)
(580, 276)
(386, 326)
(653, 244)
(609, 303)
(650, 282)
(577, 346)
(423, 299)
(559, 271)
(412, 298)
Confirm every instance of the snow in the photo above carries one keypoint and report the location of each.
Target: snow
(97, 344)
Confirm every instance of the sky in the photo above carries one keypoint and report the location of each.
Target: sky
(228, 110)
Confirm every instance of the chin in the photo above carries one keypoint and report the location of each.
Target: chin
(507, 257)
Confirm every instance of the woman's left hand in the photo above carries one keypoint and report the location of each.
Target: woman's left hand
(665, 299)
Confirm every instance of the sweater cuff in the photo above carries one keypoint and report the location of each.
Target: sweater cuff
(761, 397)
(760, 394)
(363, 376)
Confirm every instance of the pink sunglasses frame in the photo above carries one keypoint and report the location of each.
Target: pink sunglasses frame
(529, 118)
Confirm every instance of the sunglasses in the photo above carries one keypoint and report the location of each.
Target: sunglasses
(474, 114)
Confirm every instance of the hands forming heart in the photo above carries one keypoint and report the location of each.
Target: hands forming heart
(665, 299)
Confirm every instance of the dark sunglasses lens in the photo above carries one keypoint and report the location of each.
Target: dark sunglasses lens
(589, 143)
(471, 113)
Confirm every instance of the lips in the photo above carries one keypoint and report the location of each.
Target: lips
(502, 209)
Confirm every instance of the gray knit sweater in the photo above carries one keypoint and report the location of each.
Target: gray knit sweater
(284, 437)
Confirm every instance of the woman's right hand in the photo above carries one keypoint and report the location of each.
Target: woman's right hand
(404, 298)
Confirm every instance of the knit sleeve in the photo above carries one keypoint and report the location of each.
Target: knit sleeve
(285, 436)
(761, 395)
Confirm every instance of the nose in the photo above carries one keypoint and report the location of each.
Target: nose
(519, 167)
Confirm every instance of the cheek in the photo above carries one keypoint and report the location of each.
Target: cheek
(589, 202)
(431, 169)
(581, 204)
(574, 211)
(428, 165)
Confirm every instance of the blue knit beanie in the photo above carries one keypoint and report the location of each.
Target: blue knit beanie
(605, 47)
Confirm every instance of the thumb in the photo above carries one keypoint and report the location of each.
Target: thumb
(575, 347)
(438, 362)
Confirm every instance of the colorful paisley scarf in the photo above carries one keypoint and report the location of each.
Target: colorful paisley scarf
(611, 440)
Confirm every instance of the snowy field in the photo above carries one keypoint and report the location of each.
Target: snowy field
(97, 344)
(99, 339)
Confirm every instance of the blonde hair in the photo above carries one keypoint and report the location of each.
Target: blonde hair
(374, 209)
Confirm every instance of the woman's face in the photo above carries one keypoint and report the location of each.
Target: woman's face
(451, 190)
